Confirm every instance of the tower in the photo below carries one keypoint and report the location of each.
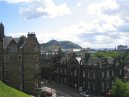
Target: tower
(1, 30)
(1, 50)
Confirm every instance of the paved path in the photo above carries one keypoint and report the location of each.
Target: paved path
(62, 91)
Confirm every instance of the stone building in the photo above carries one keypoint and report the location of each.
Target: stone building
(64, 69)
(20, 62)
(46, 66)
(1, 50)
(88, 74)
(98, 74)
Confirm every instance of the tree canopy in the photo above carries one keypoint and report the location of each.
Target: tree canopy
(112, 54)
(120, 89)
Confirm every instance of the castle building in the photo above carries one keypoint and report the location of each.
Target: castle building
(20, 62)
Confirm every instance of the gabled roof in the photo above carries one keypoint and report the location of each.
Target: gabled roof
(7, 41)
(64, 58)
(16, 39)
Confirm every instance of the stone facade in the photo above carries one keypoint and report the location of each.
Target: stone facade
(20, 62)
(91, 75)
(1, 50)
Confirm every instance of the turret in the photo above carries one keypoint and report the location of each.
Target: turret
(2, 31)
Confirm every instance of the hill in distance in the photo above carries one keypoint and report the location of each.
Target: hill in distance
(6, 91)
(54, 45)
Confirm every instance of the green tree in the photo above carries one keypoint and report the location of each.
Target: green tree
(120, 89)
(101, 54)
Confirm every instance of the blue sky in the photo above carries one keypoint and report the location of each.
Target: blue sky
(89, 23)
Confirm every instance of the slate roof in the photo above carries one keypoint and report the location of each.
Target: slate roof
(7, 40)
(64, 59)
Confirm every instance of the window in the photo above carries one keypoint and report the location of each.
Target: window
(36, 58)
(36, 85)
(107, 84)
(21, 87)
(75, 85)
(64, 80)
(88, 74)
(84, 74)
(57, 79)
(20, 58)
(7, 70)
(88, 85)
(20, 69)
(107, 73)
(57, 70)
(102, 74)
(65, 71)
(20, 77)
(6, 67)
(94, 75)
(6, 75)
(100, 66)
(35, 49)
(36, 66)
(120, 71)
(75, 72)
(71, 73)
(112, 73)
(6, 58)
(83, 84)
(93, 86)
(102, 85)
(117, 64)
(12, 48)
(61, 70)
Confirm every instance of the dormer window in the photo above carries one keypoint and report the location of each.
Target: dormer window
(35, 49)
(12, 48)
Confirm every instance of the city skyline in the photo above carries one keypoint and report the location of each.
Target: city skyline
(94, 23)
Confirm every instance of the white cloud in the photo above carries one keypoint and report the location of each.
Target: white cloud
(44, 8)
(38, 8)
(105, 27)
(98, 8)
(17, 1)
(79, 4)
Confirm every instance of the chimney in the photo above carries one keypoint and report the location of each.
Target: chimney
(31, 35)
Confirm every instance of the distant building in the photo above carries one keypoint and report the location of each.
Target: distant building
(122, 47)
(20, 62)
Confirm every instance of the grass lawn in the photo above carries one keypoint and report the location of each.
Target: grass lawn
(6, 91)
